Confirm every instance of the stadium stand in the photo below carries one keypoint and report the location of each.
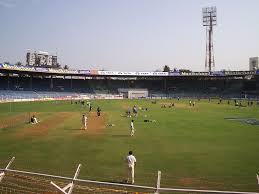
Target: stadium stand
(231, 84)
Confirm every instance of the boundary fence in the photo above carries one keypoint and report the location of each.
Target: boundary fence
(68, 188)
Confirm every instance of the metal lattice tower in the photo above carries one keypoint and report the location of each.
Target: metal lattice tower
(209, 15)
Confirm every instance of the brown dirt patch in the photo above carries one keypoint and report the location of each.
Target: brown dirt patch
(165, 103)
(96, 125)
(187, 181)
(199, 183)
(126, 107)
(12, 121)
(42, 128)
(181, 106)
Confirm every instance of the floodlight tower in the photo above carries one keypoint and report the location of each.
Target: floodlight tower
(209, 15)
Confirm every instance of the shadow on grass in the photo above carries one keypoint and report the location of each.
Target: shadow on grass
(124, 181)
(121, 135)
(74, 129)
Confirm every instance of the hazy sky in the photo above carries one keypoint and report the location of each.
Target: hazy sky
(129, 35)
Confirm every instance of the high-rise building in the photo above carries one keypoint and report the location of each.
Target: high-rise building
(41, 59)
(253, 63)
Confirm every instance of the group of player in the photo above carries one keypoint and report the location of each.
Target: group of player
(84, 119)
(135, 114)
(82, 103)
(191, 103)
(169, 106)
(134, 111)
(238, 103)
(130, 159)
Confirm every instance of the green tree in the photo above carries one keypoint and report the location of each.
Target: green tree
(166, 68)
(18, 63)
(58, 66)
(66, 67)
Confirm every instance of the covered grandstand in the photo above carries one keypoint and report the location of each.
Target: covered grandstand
(58, 83)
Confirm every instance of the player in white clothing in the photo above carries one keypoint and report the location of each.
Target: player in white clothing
(34, 120)
(131, 163)
(132, 129)
(84, 122)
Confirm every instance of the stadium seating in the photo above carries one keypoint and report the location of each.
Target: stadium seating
(10, 95)
(171, 87)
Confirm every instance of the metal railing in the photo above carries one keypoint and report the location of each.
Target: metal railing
(68, 189)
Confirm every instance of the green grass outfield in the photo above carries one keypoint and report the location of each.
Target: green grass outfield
(194, 147)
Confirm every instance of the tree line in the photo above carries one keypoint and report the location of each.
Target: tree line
(166, 68)
(58, 66)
